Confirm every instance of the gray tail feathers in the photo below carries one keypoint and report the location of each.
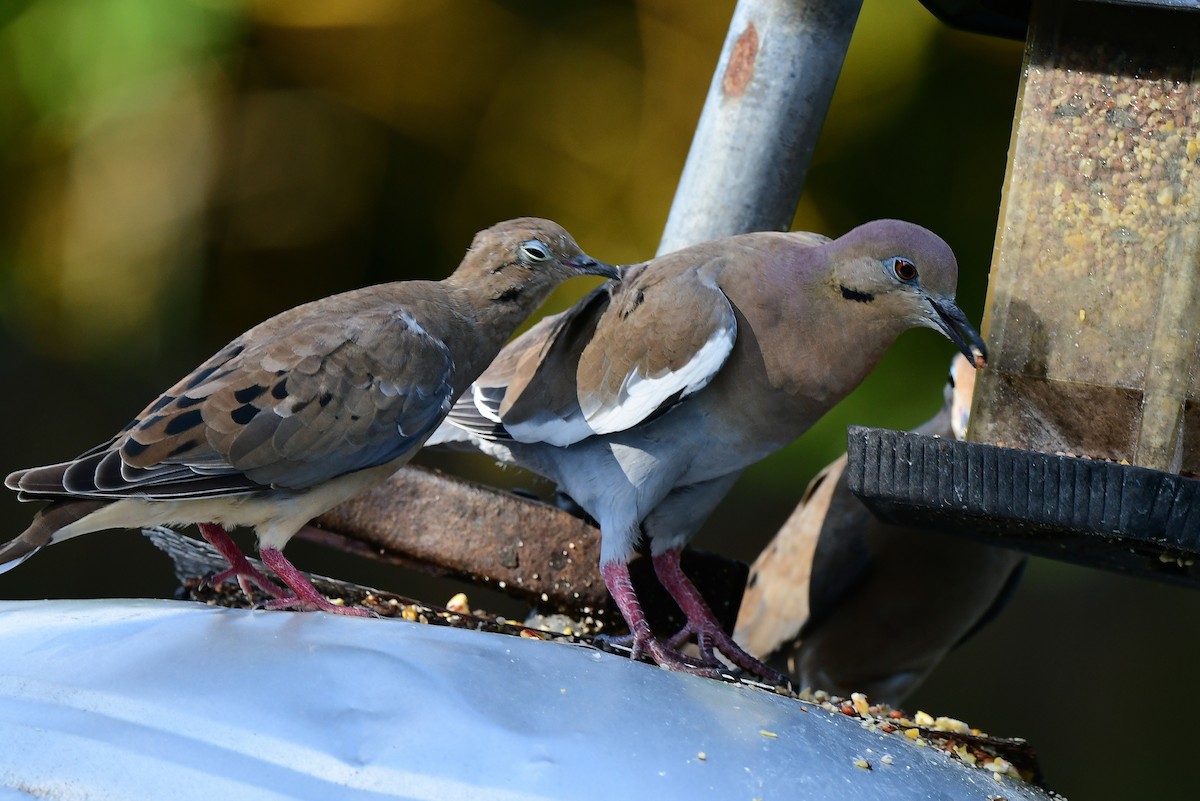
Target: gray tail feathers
(42, 529)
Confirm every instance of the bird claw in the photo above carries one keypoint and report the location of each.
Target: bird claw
(239, 566)
(679, 638)
(701, 624)
(665, 655)
(712, 639)
(672, 659)
(317, 604)
(245, 576)
(304, 595)
(615, 640)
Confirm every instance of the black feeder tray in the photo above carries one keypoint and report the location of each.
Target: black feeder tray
(1100, 514)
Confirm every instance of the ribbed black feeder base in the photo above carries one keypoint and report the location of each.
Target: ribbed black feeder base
(1101, 514)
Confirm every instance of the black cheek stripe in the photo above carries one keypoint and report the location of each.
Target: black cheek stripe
(861, 297)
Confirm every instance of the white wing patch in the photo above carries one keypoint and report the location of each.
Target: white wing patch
(641, 396)
(558, 431)
(485, 404)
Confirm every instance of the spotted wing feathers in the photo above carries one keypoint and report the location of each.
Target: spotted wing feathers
(296, 401)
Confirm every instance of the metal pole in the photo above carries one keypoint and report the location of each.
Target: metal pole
(760, 123)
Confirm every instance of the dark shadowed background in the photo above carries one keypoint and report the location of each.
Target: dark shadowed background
(173, 172)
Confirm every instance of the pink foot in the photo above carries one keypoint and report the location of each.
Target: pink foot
(240, 567)
(304, 594)
(702, 624)
(641, 638)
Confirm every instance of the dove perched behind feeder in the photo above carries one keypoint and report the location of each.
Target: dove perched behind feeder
(646, 400)
(846, 603)
(305, 410)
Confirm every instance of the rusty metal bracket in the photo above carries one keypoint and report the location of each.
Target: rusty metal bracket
(427, 520)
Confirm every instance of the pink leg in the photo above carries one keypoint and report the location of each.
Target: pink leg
(702, 623)
(305, 595)
(616, 578)
(240, 568)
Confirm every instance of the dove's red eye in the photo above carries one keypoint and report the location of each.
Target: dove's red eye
(905, 270)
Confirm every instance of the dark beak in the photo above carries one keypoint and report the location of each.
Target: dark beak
(586, 265)
(958, 329)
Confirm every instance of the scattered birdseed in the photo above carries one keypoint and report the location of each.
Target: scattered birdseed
(1000, 767)
(459, 604)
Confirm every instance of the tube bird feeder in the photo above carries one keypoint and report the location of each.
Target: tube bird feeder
(1085, 429)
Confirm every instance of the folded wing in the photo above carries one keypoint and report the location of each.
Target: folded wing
(625, 354)
(317, 398)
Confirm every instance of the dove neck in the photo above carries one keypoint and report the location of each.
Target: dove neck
(469, 319)
(492, 313)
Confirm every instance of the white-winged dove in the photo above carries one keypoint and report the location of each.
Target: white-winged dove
(846, 603)
(646, 400)
(305, 410)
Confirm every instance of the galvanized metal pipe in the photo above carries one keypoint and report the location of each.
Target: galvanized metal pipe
(765, 107)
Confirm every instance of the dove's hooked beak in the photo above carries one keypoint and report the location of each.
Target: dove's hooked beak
(958, 329)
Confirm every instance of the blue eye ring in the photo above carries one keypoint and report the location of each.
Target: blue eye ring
(534, 251)
(904, 269)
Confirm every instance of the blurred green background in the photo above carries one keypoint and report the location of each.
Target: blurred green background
(173, 172)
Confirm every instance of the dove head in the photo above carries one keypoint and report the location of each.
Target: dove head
(519, 261)
(907, 275)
